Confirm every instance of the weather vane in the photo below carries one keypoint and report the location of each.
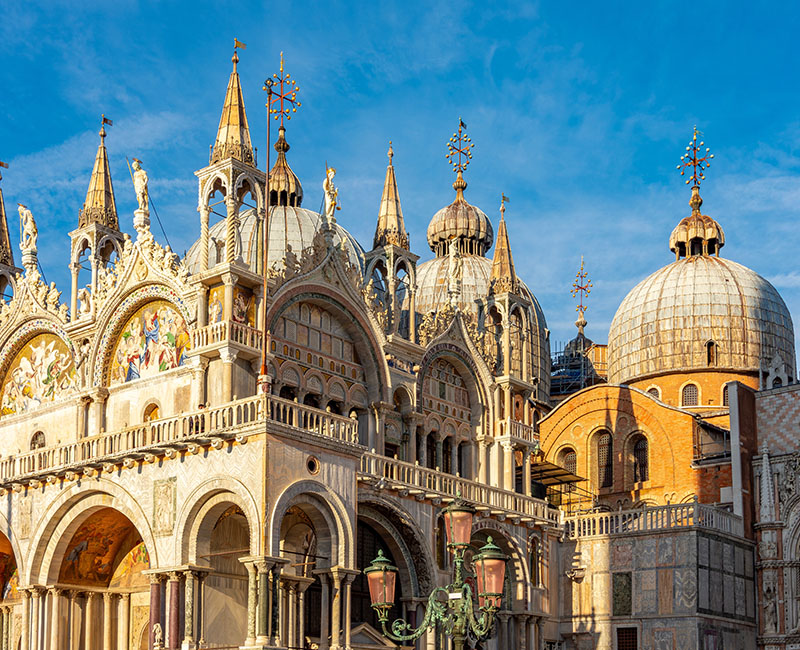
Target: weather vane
(458, 148)
(503, 200)
(283, 94)
(695, 158)
(581, 287)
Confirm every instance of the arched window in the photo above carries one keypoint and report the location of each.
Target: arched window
(654, 392)
(777, 383)
(38, 441)
(689, 395)
(569, 460)
(711, 353)
(641, 462)
(535, 563)
(605, 461)
(725, 395)
(150, 412)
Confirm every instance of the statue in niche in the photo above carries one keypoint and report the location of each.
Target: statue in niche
(140, 185)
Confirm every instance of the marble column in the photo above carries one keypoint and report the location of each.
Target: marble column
(55, 617)
(74, 620)
(326, 607)
(258, 589)
(3, 628)
(75, 269)
(123, 621)
(7, 634)
(35, 607)
(336, 610)
(174, 609)
(348, 583)
(108, 604)
(203, 210)
(201, 609)
(188, 612)
(91, 616)
(26, 619)
(301, 615)
(526, 471)
(232, 206)
(155, 605)
(275, 624)
(508, 465)
(252, 603)
(291, 613)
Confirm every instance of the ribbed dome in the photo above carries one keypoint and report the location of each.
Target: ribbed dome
(466, 223)
(289, 227)
(666, 322)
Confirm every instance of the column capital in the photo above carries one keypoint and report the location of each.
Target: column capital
(175, 576)
(125, 596)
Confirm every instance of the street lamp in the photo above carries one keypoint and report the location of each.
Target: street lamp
(452, 606)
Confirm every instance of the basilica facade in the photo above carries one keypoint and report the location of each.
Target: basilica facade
(207, 451)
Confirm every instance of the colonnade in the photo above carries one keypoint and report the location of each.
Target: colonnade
(169, 589)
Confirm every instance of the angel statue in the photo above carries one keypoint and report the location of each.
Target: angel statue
(140, 185)
(30, 233)
(331, 195)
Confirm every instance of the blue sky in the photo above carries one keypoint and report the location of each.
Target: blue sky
(579, 112)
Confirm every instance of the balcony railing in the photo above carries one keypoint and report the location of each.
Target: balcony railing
(510, 427)
(431, 484)
(656, 518)
(202, 424)
(226, 330)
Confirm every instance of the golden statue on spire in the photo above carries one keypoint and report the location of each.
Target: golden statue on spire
(283, 94)
(695, 158)
(458, 148)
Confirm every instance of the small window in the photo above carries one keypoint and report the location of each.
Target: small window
(641, 465)
(777, 383)
(605, 461)
(711, 353)
(689, 395)
(38, 441)
(725, 395)
(151, 412)
(654, 392)
(627, 638)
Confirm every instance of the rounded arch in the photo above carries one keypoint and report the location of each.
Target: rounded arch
(353, 317)
(71, 508)
(213, 496)
(333, 525)
(24, 333)
(114, 316)
(518, 577)
(690, 394)
(654, 391)
(8, 531)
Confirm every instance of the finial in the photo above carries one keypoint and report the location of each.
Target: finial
(503, 200)
(282, 97)
(581, 287)
(459, 154)
(695, 158)
(237, 45)
(390, 153)
(3, 165)
(103, 121)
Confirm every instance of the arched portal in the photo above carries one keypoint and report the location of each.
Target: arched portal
(9, 575)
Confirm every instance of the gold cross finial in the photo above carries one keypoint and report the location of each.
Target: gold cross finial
(581, 287)
(458, 148)
(282, 94)
(695, 158)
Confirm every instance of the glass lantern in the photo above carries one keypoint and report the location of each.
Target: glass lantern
(490, 574)
(458, 524)
(381, 577)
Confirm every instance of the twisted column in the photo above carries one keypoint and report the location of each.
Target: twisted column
(203, 210)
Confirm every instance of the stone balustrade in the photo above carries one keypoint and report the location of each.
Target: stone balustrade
(227, 331)
(422, 482)
(239, 416)
(520, 430)
(654, 518)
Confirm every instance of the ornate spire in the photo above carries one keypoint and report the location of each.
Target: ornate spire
(697, 234)
(503, 278)
(459, 154)
(6, 252)
(581, 287)
(100, 206)
(233, 135)
(391, 227)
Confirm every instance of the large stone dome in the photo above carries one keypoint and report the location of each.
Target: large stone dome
(667, 321)
(290, 226)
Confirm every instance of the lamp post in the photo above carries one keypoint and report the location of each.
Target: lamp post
(453, 606)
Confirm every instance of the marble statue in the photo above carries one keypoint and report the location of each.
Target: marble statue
(453, 270)
(140, 185)
(30, 233)
(331, 195)
(158, 635)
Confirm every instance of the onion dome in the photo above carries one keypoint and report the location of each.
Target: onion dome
(465, 223)
(701, 312)
(698, 233)
(284, 186)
